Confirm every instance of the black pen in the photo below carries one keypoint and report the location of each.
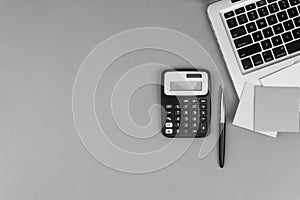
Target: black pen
(222, 128)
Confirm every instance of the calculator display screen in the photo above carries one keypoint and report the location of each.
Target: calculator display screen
(186, 86)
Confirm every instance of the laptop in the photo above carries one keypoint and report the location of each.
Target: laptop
(256, 37)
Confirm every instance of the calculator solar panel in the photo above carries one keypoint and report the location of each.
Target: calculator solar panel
(264, 32)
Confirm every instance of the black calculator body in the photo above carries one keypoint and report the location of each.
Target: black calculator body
(185, 96)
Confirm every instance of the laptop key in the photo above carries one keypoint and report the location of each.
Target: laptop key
(273, 8)
(243, 41)
(292, 12)
(279, 52)
(287, 37)
(250, 6)
(276, 40)
(294, 2)
(252, 15)
(272, 20)
(237, 32)
(247, 64)
(239, 10)
(257, 36)
(251, 27)
(270, 1)
(282, 16)
(278, 28)
(232, 22)
(268, 32)
(283, 4)
(229, 14)
(242, 19)
(297, 21)
(261, 23)
(261, 3)
(249, 50)
(257, 60)
(288, 25)
(268, 56)
(293, 47)
(263, 11)
(266, 44)
(296, 33)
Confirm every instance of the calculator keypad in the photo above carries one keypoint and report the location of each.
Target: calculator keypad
(187, 117)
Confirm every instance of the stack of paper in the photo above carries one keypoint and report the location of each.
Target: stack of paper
(244, 116)
(276, 109)
(273, 107)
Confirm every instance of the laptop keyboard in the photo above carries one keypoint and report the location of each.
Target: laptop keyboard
(264, 32)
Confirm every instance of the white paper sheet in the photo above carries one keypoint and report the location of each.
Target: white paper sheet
(244, 116)
(276, 109)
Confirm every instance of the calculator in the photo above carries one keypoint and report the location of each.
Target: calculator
(186, 99)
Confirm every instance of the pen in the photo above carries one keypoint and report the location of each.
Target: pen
(222, 128)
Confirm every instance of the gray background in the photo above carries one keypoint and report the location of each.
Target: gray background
(44, 42)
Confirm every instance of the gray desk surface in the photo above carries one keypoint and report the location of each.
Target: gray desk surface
(42, 46)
